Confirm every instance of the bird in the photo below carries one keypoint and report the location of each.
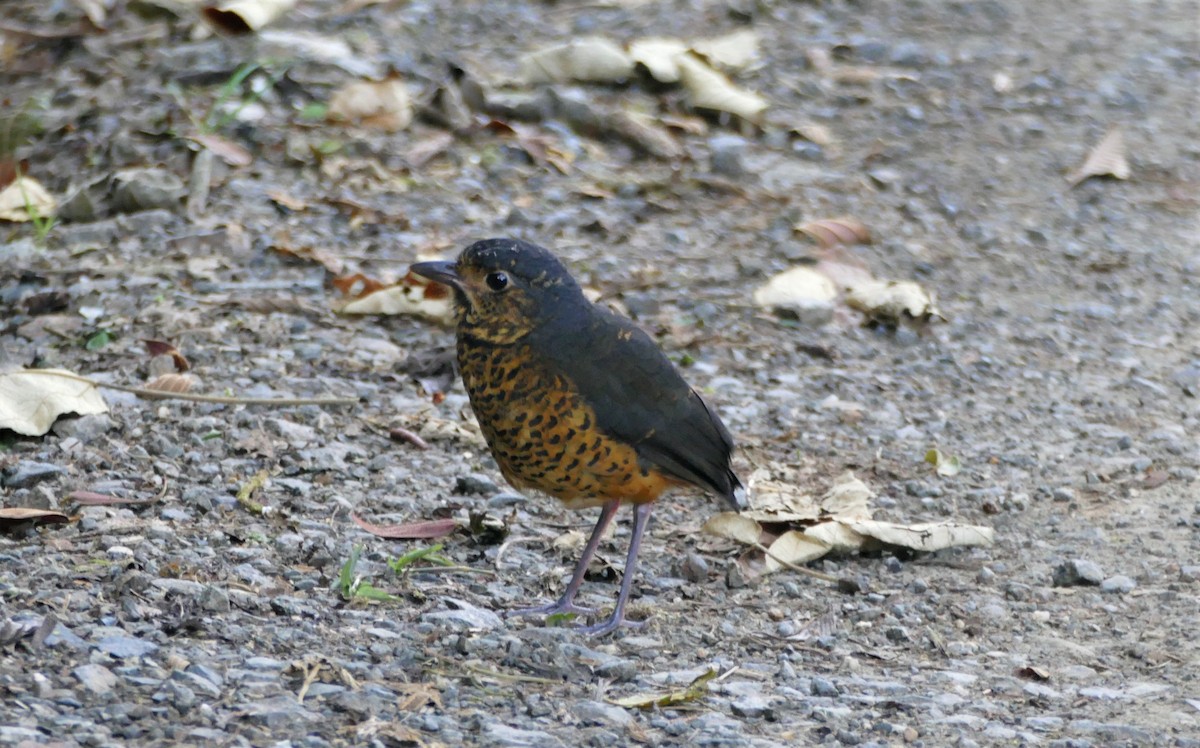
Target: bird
(576, 401)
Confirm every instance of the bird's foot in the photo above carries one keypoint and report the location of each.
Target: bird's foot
(550, 609)
(616, 621)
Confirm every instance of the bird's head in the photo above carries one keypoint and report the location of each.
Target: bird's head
(504, 288)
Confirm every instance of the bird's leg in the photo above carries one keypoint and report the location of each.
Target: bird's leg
(566, 603)
(641, 517)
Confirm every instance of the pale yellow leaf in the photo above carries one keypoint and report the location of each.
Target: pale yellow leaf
(244, 16)
(793, 547)
(732, 52)
(734, 526)
(25, 200)
(31, 399)
(835, 534)
(926, 537)
(589, 59)
(384, 105)
(709, 89)
(659, 56)
(1107, 159)
(890, 302)
(848, 498)
(800, 291)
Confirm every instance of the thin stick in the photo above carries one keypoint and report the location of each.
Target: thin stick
(160, 395)
(799, 569)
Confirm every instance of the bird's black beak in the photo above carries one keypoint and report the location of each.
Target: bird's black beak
(442, 272)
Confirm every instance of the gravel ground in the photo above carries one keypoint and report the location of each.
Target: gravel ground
(1066, 377)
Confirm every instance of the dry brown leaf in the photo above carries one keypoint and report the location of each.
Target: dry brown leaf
(732, 52)
(413, 696)
(357, 285)
(176, 383)
(588, 59)
(436, 528)
(801, 291)
(224, 149)
(734, 526)
(163, 348)
(95, 10)
(793, 547)
(307, 253)
(890, 302)
(412, 295)
(695, 691)
(848, 498)
(926, 537)
(26, 199)
(17, 515)
(426, 150)
(245, 16)
(384, 105)
(283, 199)
(31, 399)
(659, 56)
(709, 89)
(830, 232)
(1107, 159)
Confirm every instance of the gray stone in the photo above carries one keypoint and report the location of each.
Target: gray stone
(503, 735)
(135, 190)
(126, 646)
(727, 155)
(1119, 584)
(465, 616)
(599, 713)
(196, 682)
(1077, 572)
(824, 687)
(27, 473)
(752, 706)
(694, 568)
(475, 484)
(95, 678)
(277, 713)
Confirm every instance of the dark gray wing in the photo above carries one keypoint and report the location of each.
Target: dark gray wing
(640, 398)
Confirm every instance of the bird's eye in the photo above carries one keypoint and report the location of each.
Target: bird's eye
(497, 281)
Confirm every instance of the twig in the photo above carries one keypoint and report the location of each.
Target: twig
(160, 395)
(450, 570)
(798, 569)
(401, 434)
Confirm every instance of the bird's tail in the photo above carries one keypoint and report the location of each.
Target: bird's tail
(736, 495)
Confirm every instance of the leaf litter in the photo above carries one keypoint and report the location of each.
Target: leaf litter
(790, 527)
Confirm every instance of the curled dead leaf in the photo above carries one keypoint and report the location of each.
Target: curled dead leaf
(175, 383)
(1107, 159)
(224, 149)
(425, 530)
(11, 516)
(588, 59)
(709, 89)
(829, 232)
(245, 16)
(733, 52)
(384, 105)
(163, 348)
(659, 56)
(891, 302)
